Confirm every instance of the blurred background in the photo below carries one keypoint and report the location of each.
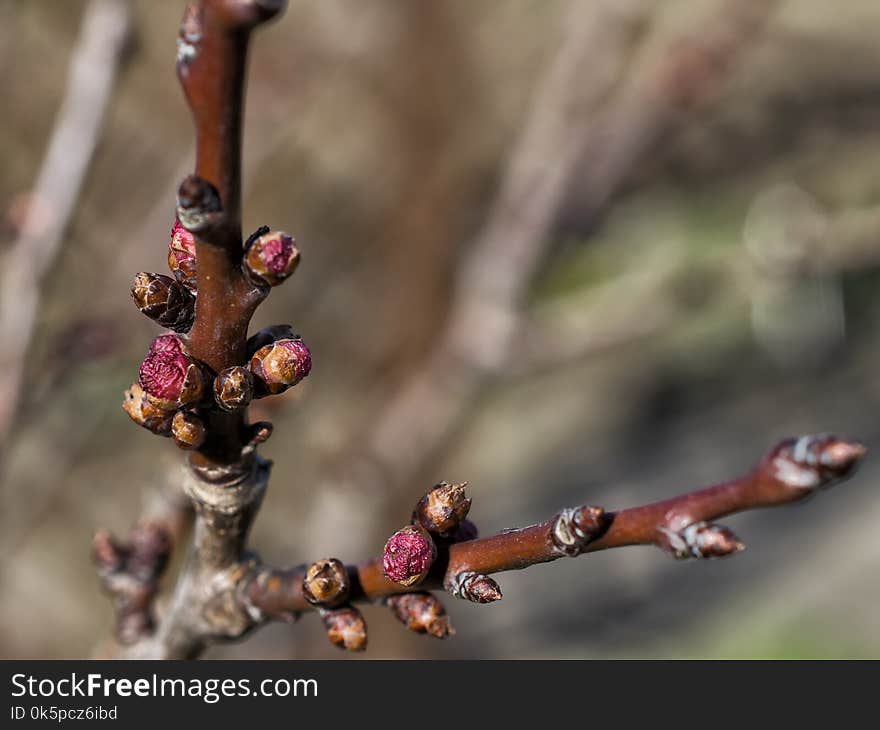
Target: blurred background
(596, 251)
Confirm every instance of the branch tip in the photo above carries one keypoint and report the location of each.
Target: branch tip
(813, 461)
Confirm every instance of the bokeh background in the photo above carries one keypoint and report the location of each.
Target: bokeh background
(588, 251)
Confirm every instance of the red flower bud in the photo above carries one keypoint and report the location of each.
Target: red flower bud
(408, 555)
(182, 255)
(169, 375)
(280, 365)
(147, 411)
(271, 257)
(188, 430)
(164, 300)
(233, 388)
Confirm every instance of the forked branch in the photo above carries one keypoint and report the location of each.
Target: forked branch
(196, 383)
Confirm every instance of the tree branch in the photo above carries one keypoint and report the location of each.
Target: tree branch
(791, 472)
(95, 61)
(223, 591)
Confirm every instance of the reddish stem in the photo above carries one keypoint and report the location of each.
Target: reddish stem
(791, 472)
(212, 60)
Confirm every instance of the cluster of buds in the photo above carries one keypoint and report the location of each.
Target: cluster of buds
(172, 385)
(168, 381)
(438, 519)
(173, 388)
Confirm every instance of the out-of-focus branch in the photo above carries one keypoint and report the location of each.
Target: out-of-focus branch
(593, 120)
(493, 279)
(93, 68)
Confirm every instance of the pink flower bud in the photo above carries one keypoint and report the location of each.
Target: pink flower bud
(182, 255)
(169, 374)
(280, 365)
(408, 555)
(272, 257)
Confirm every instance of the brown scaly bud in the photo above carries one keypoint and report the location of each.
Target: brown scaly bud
(187, 430)
(326, 583)
(182, 255)
(169, 375)
(408, 555)
(814, 461)
(279, 366)
(475, 587)
(574, 529)
(146, 411)
(443, 508)
(701, 540)
(346, 628)
(422, 613)
(268, 335)
(164, 300)
(234, 388)
(270, 257)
